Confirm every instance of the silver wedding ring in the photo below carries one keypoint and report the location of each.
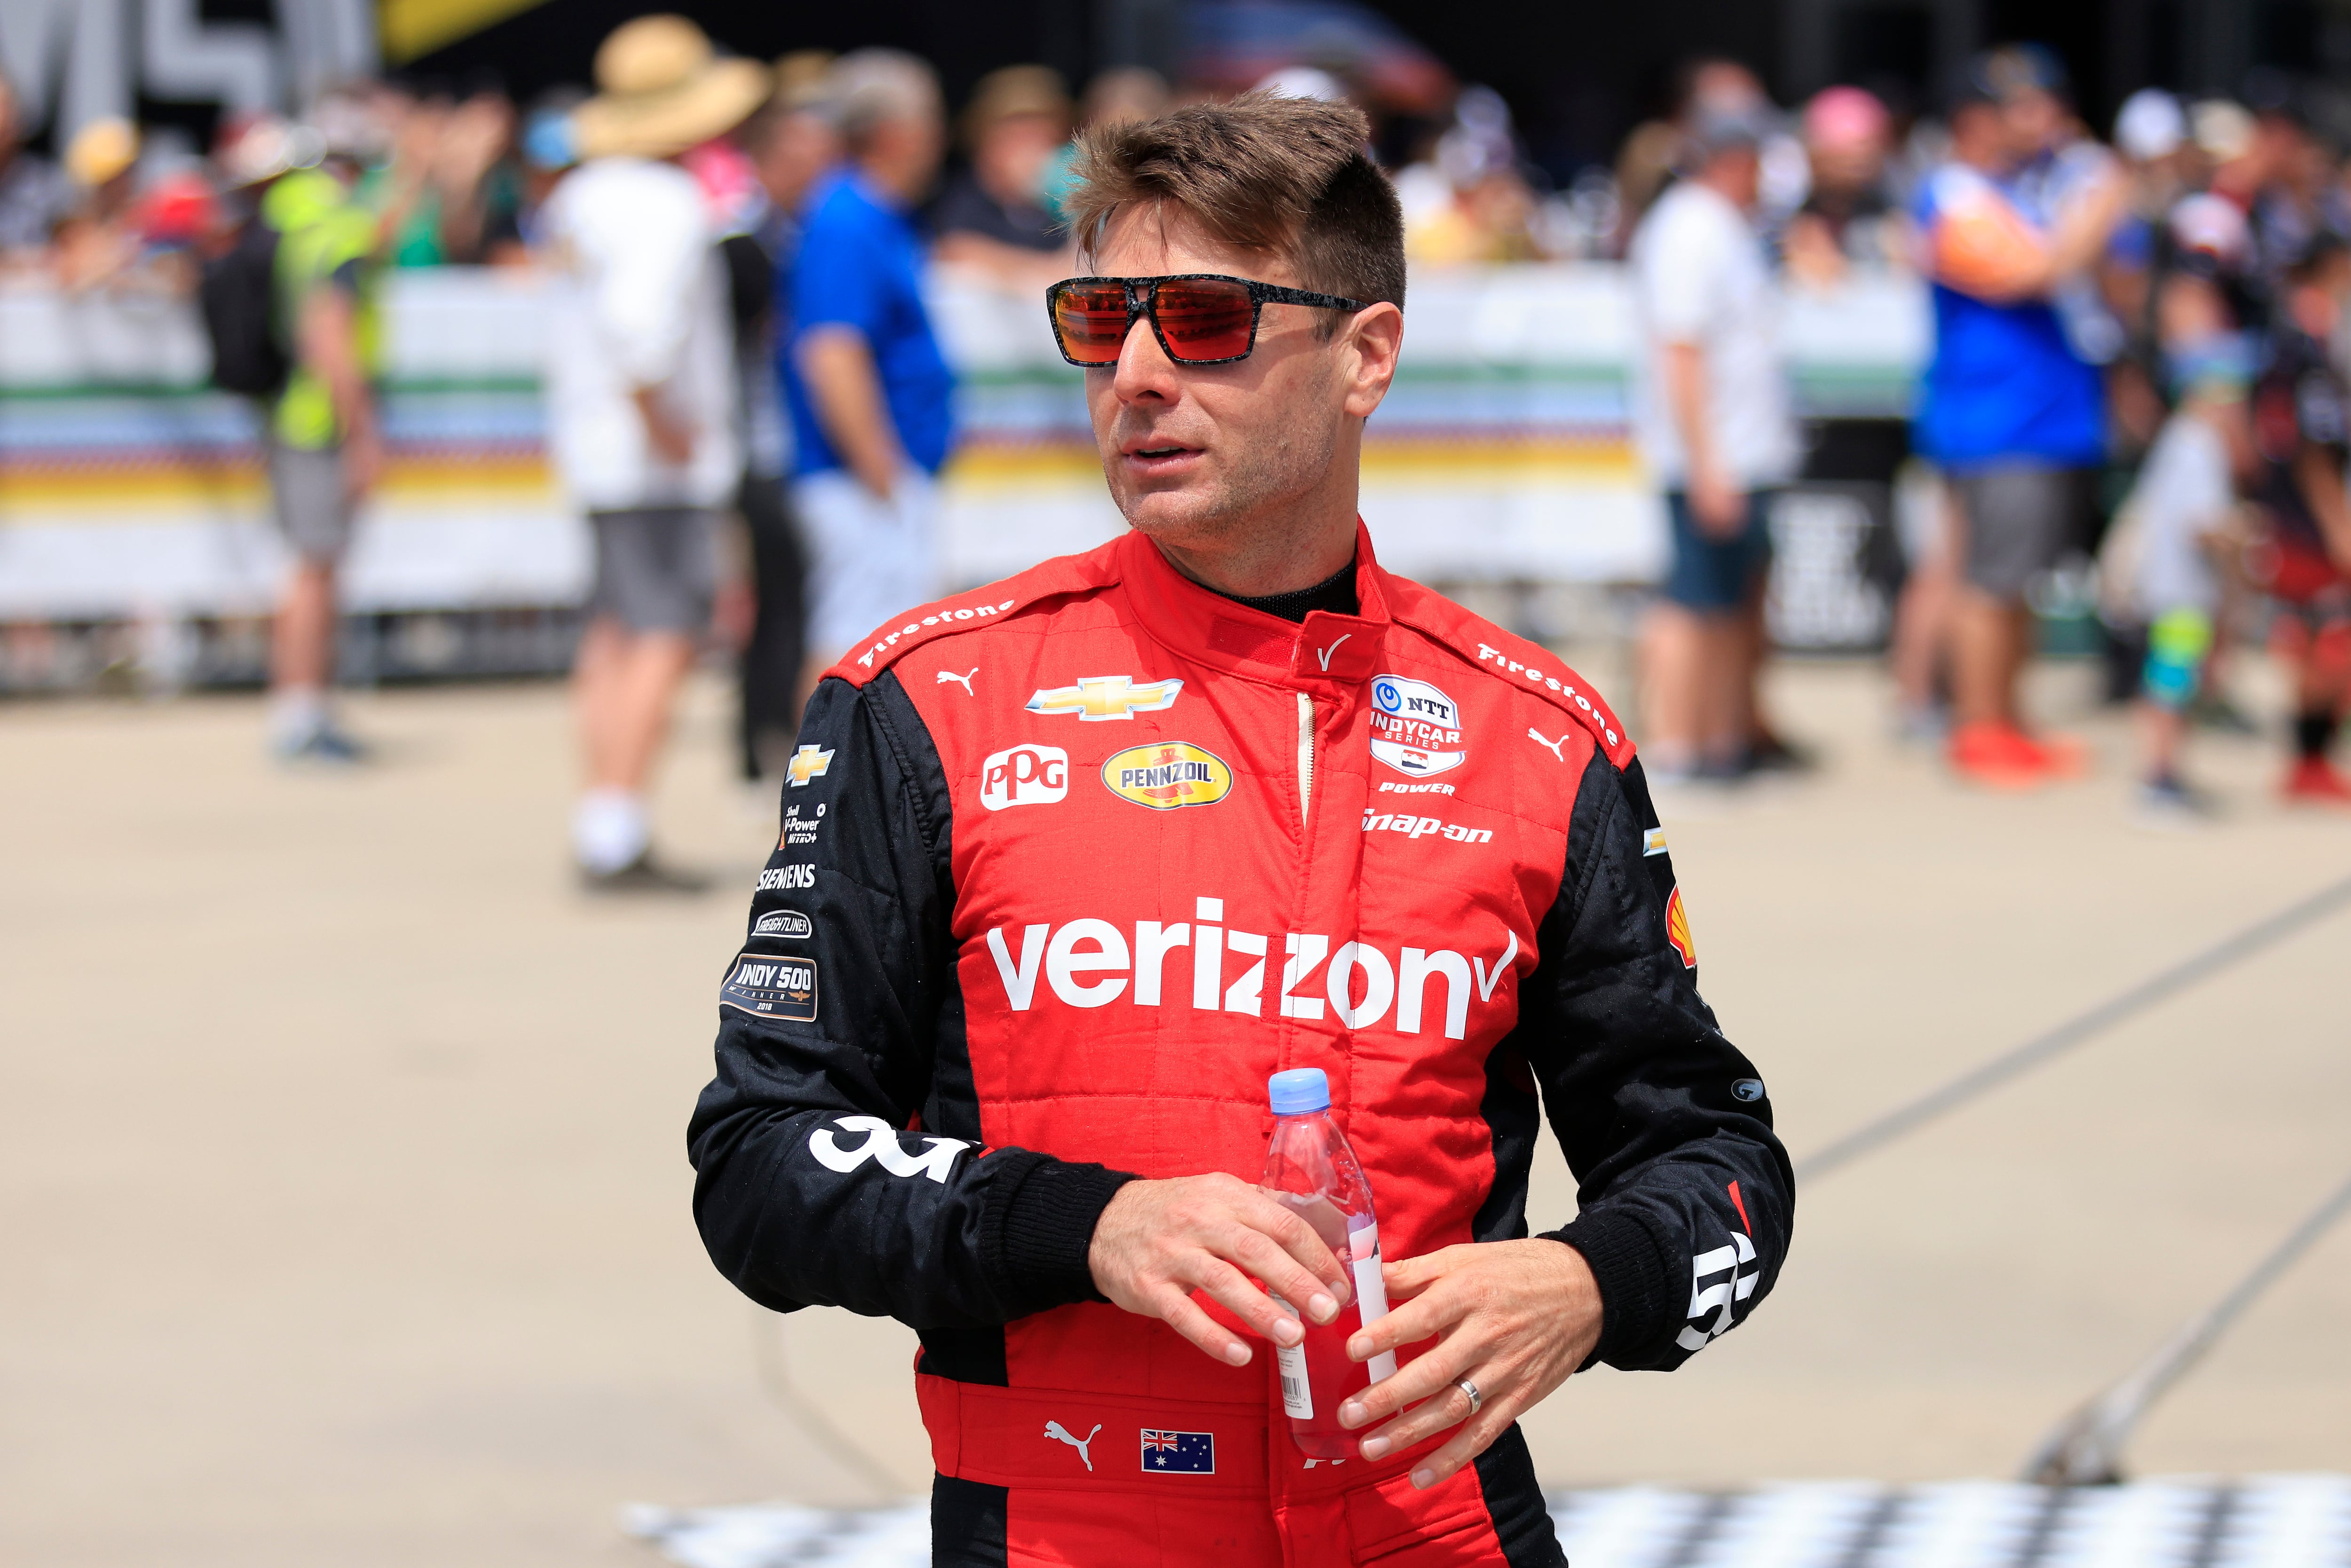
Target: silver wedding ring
(1470, 1389)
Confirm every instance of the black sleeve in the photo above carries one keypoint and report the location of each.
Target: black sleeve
(839, 1036)
(1685, 1197)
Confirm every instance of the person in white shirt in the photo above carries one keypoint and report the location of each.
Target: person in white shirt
(641, 399)
(1711, 418)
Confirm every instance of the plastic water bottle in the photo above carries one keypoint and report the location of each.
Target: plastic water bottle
(1311, 1169)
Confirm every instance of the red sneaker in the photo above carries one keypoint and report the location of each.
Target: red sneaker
(2000, 755)
(2068, 756)
(2313, 780)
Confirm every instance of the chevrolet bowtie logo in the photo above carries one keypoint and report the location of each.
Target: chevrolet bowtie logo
(1106, 696)
(807, 763)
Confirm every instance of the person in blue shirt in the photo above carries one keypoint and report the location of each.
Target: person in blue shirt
(2012, 410)
(871, 396)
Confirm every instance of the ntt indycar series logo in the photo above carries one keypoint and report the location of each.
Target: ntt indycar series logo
(1167, 775)
(1416, 729)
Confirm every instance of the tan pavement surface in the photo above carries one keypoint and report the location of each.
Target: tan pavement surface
(344, 1200)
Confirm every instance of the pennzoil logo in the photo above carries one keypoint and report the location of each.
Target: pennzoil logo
(1167, 775)
(1099, 697)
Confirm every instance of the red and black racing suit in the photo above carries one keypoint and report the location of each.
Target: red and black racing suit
(1068, 866)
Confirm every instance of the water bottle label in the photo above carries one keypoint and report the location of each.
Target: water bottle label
(1297, 1395)
(1371, 1292)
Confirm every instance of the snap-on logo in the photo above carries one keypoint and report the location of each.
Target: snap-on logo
(1418, 827)
(1024, 775)
(1416, 729)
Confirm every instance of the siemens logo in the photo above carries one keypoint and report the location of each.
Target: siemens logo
(1092, 963)
(786, 878)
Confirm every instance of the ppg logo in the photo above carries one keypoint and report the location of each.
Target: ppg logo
(1024, 775)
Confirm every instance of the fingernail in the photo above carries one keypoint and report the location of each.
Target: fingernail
(1322, 1307)
(1424, 1480)
(1287, 1332)
(1237, 1354)
(1377, 1447)
(1360, 1348)
(1351, 1414)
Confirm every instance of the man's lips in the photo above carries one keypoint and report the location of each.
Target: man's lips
(1151, 458)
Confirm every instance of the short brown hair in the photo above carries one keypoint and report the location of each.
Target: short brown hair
(1287, 177)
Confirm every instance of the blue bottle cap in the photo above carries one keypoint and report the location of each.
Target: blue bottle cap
(1300, 1092)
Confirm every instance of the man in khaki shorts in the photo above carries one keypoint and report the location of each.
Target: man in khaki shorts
(640, 393)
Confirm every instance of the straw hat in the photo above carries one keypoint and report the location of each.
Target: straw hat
(101, 149)
(661, 90)
(1012, 92)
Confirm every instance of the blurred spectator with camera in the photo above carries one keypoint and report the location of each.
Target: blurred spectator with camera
(642, 410)
(2012, 410)
(870, 393)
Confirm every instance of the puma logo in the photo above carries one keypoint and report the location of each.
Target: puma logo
(963, 680)
(1061, 1434)
(1553, 746)
(1324, 653)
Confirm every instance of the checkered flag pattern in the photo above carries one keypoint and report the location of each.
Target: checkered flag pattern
(2266, 1522)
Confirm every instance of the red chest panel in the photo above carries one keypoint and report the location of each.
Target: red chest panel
(1193, 846)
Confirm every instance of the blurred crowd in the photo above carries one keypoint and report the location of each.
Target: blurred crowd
(2137, 377)
(2138, 355)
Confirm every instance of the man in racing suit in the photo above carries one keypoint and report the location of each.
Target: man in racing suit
(1070, 865)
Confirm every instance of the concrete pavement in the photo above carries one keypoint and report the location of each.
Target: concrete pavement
(343, 1181)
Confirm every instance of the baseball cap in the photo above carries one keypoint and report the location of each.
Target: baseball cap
(1844, 116)
(2150, 125)
(2225, 130)
(1998, 76)
(1716, 129)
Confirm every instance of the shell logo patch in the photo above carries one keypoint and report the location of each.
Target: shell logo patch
(1167, 774)
(1677, 929)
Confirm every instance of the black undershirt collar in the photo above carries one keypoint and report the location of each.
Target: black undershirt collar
(1335, 594)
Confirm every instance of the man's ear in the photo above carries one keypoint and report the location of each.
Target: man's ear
(1375, 339)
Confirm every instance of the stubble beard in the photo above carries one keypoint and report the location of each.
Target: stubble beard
(1257, 490)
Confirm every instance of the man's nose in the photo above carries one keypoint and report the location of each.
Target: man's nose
(1144, 370)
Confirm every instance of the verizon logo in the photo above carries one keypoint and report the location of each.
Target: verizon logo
(1093, 963)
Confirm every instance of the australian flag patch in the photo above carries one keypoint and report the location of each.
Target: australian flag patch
(1179, 1453)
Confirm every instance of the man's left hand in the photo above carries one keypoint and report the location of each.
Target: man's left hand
(1515, 1318)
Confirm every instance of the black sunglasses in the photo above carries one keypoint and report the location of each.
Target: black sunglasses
(1199, 318)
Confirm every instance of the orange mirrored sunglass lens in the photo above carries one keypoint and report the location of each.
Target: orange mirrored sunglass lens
(1206, 320)
(1092, 323)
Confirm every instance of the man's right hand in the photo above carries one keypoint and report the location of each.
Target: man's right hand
(1158, 1241)
(671, 440)
(1719, 506)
